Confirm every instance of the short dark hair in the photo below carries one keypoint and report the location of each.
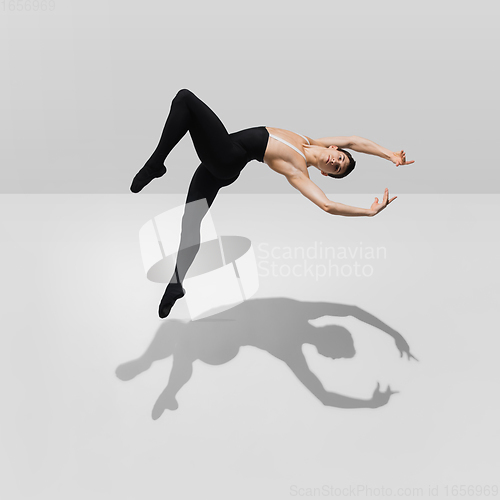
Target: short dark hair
(350, 167)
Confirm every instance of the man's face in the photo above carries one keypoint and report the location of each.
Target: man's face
(333, 161)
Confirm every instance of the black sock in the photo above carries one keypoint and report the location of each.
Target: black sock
(146, 174)
(173, 292)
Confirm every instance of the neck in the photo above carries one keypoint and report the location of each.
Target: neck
(312, 156)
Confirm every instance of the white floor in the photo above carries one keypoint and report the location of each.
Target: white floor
(79, 317)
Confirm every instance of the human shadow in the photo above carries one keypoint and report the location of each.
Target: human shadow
(276, 325)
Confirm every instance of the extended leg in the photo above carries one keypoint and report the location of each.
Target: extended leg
(203, 186)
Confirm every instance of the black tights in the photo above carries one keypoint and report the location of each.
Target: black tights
(219, 153)
(222, 161)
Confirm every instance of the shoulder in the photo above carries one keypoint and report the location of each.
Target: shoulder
(285, 168)
(314, 142)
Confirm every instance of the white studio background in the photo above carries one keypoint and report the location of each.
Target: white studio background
(86, 88)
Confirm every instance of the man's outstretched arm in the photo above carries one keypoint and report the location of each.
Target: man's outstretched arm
(362, 145)
(366, 146)
(306, 186)
(339, 141)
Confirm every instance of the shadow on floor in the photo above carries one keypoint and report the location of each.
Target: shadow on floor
(276, 325)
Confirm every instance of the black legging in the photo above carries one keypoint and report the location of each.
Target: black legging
(223, 156)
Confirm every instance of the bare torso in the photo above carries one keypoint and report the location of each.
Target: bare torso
(282, 158)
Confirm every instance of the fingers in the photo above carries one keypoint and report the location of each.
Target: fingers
(386, 199)
(402, 154)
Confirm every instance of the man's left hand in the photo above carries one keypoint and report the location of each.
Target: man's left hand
(400, 159)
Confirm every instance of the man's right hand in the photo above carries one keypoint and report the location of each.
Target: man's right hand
(378, 207)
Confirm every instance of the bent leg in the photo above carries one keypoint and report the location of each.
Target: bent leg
(176, 126)
(214, 146)
(210, 137)
(178, 122)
